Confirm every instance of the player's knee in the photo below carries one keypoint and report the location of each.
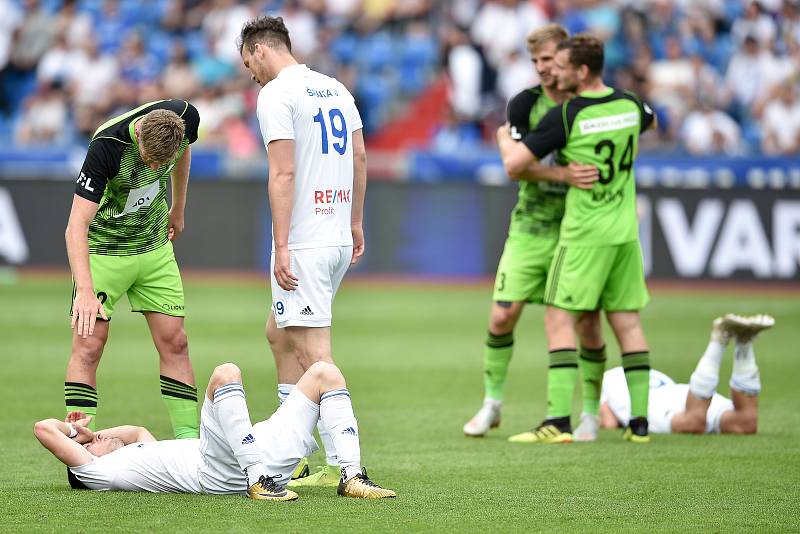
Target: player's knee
(89, 350)
(329, 376)
(502, 321)
(225, 374)
(589, 329)
(176, 344)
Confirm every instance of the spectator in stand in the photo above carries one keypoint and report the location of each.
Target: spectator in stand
(9, 23)
(501, 27)
(44, 119)
(138, 66)
(110, 27)
(75, 25)
(222, 25)
(781, 122)
(756, 23)
(33, 37)
(708, 130)
(465, 70)
(302, 26)
(749, 73)
(178, 78)
(60, 63)
(671, 80)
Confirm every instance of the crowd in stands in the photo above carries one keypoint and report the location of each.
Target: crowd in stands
(723, 75)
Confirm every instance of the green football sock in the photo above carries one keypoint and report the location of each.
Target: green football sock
(592, 364)
(496, 357)
(637, 375)
(561, 378)
(181, 402)
(81, 397)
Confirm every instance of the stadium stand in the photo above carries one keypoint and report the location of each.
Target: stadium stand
(723, 75)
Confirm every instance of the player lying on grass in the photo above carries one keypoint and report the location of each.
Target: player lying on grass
(232, 456)
(696, 408)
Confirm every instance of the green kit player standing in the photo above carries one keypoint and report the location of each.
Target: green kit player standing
(119, 242)
(598, 261)
(522, 271)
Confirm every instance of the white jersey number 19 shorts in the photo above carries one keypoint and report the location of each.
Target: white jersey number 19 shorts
(319, 272)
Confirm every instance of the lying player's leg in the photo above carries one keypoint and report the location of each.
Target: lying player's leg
(289, 371)
(745, 381)
(226, 420)
(324, 384)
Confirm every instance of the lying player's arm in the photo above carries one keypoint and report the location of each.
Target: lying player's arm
(180, 183)
(521, 164)
(86, 305)
(359, 191)
(281, 199)
(128, 434)
(54, 436)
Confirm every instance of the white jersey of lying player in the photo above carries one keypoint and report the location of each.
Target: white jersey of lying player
(207, 465)
(320, 115)
(666, 399)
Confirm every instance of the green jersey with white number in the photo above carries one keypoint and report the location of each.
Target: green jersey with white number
(132, 216)
(600, 129)
(540, 205)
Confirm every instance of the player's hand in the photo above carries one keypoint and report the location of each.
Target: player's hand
(581, 176)
(84, 313)
(283, 273)
(74, 416)
(504, 131)
(85, 434)
(175, 224)
(358, 243)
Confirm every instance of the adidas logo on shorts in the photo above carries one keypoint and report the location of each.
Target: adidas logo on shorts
(350, 430)
(306, 311)
(248, 439)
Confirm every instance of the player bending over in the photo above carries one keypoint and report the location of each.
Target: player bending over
(696, 408)
(232, 456)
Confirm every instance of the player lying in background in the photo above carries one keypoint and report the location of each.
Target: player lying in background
(232, 456)
(696, 408)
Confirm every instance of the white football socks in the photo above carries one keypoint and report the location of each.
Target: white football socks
(705, 377)
(745, 376)
(230, 408)
(337, 418)
(283, 392)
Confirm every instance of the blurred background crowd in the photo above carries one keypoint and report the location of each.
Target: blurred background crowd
(723, 75)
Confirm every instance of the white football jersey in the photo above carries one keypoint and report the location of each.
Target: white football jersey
(319, 113)
(169, 466)
(615, 393)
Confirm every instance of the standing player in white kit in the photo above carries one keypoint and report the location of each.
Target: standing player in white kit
(317, 180)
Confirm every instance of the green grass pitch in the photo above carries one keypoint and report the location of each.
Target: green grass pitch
(412, 357)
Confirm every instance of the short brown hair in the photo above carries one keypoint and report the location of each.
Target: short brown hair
(547, 33)
(161, 134)
(270, 31)
(585, 49)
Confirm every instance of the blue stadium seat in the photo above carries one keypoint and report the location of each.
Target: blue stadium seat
(344, 47)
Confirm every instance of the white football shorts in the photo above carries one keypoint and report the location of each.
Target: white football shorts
(284, 439)
(319, 272)
(670, 399)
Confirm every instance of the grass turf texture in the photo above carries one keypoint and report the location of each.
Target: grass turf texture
(412, 357)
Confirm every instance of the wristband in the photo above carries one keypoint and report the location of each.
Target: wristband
(72, 431)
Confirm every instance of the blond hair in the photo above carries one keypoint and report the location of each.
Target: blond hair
(548, 32)
(161, 134)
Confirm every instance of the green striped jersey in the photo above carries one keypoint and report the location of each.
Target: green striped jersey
(132, 216)
(600, 129)
(540, 205)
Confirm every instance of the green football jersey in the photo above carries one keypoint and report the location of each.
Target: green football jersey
(600, 129)
(132, 216)
(540, 205)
